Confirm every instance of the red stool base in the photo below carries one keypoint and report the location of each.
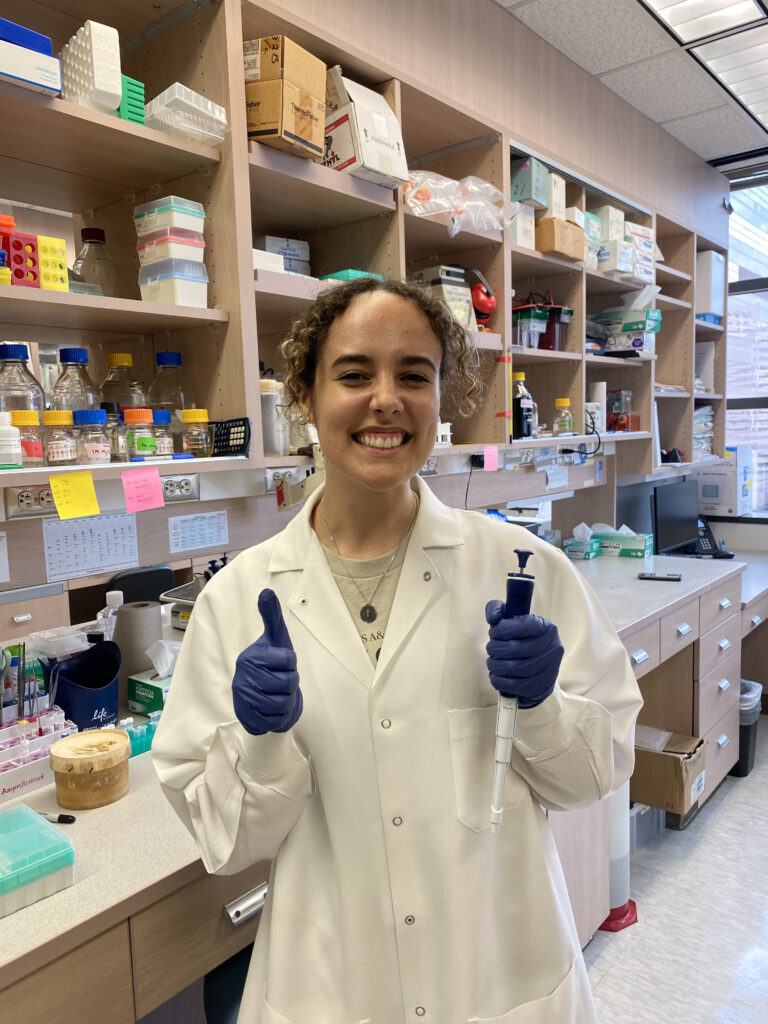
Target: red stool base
(620, 918)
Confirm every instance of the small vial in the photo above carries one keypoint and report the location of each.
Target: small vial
(59, 438)
(93, 447)
(195, 436)
(28, 422)
(563, 421)
(140, 433)
(161, 419)
(118, 441)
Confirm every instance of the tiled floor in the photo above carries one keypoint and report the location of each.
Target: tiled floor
(699, 952)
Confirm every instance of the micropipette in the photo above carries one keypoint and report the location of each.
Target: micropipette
(519, 594)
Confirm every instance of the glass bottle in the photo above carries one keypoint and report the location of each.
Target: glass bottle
(10, 443)
(19, 389)
(118, 442)
(74, 389)
(563, 421)
(93, 447)
(167, 391)
(120, 384)
(522, 407)
(59, 438)
(161, 419)
(195, 437)
(28, 422)
(94, 265)
(140, 434)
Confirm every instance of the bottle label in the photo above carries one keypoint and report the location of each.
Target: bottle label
(97, 451)
(144, 444)
(164, 445)
(526, 403)
(32, 451)
(61, 451)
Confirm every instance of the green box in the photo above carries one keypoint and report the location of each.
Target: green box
(616, 545)
(147, 691)
(530, 183)
(349, 275)
(582, 548)
(593, 228)
(630, 319)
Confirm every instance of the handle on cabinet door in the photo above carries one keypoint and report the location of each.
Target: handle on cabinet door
(725, 603)
(639, 657)
(755, 620)
(724, 685)
(246, 906)
(683, 629)
(27, 617)
(723, 742)
(724, 644)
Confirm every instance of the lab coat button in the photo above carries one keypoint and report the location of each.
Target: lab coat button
(397, 821)
(410, 919)
(427, 577)
(420, 1011)
(385, 723)
(303, 601)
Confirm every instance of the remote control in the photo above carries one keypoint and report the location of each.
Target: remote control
(666, 577)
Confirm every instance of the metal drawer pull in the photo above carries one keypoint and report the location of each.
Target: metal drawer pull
(724, 685)
(724, 644)
(639, 657)
(723, 742)
(725, 603)
(28, 618)
(755, 620)
(246, 906)
(683, 629)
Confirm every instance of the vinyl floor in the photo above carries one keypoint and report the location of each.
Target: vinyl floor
(699, 952)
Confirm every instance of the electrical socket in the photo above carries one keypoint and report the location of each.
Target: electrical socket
(32, 500)
(181, 488)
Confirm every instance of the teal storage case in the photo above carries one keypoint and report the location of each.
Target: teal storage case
(36, 858)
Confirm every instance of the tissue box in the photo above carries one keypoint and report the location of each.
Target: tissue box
(617, 545)
(147, 691)
(633, 320)
(593, 228)
(582, 548)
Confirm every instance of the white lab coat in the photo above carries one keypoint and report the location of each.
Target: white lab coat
(390, 899)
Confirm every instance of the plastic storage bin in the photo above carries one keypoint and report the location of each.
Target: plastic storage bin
(36, 858)
(528, 325)
(178, 282)
(554, 337)
(750, 705)
(184, 112)
(172, 211)
(171, 243)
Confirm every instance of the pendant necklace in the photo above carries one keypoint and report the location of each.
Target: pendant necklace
(368, 611)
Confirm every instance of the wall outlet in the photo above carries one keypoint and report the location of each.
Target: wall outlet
(33, 500)
(181, 488)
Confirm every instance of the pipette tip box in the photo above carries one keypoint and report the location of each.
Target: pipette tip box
(36, 858)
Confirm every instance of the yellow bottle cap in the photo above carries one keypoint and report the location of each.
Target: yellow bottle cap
(562, 403)
(194, 415)
(518, 376)
(119, 359)
(57, 418)
(25, 417)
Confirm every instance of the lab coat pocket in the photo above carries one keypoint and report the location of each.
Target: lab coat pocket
(473, 741)
(569, 1003)
(271, 1016)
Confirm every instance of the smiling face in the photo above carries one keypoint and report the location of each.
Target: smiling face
(376, 394)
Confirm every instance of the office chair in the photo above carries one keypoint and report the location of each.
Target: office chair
(223, 988)
(146, 583)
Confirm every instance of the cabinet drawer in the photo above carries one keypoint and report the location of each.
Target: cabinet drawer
(679, 628)
(722, 751)
(719, 604)
(716, 693)
(643, 649)
(716, 646)
(754, 615)
(21, 617)
(186, 934)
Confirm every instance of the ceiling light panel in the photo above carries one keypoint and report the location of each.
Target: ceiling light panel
(699, 19)
(738, 59)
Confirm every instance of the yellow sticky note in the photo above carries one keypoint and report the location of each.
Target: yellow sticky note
(74, 494)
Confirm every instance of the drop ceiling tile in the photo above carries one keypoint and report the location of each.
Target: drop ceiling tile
(598, 35)
(720, 132)
(668, 86)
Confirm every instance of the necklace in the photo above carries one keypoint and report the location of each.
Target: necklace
(368, 611)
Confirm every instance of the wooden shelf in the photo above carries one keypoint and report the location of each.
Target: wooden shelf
(599, 283)
(528, 263)
(669, 275)
(311, 197)
(38, 311)
(487, 341)
(593, 359)
(520, 354)
(428, 236)
(669, 302)
(67, 157)
(707, 396)
(279, 297)
(704, 327)
(671, 394)
(276, 461)
(17, 477)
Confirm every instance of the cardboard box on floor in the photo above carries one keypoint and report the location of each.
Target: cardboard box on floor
(362, 134)
(285, 107)
(669, 770)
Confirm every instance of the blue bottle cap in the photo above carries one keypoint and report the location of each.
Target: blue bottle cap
(161, 416)
(13, 350)
(168, 358)
(73, 355)
(85, 416)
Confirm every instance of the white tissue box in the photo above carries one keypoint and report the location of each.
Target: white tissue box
(620, 546)
(575, 548)
(147, 691)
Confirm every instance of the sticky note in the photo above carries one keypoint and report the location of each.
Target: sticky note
(74, 494)
(143, 489)
(490, 458)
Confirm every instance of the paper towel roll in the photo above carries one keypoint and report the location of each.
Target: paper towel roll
(139, 624)
(597, 396)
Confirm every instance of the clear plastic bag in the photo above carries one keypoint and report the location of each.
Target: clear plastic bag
(469, 204)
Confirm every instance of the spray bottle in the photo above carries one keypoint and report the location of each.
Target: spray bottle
(519, 595)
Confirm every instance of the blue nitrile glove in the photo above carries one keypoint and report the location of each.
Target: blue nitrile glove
(265, 687)
(524, 655)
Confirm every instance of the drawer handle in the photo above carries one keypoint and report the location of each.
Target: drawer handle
(246, 906)
(755, 620)
(724, 685)
(723, 742)
(725, 603)
(639, 657)
(724, 644)
(683, 629)
(28, 618)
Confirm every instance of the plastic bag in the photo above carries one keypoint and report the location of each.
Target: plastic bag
(471, 203)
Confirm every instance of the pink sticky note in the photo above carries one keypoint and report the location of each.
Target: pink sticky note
(490, 458)
(143, 489)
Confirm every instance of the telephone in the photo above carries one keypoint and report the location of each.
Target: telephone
(706, 545)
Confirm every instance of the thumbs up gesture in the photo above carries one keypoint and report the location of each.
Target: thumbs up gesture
(265, 687)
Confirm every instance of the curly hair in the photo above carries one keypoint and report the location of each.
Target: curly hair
(301, 346)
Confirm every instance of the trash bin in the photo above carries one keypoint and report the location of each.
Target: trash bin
(749, 713)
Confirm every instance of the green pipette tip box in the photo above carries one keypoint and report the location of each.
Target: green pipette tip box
(36, 858)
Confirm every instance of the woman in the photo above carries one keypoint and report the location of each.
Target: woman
(352, 744)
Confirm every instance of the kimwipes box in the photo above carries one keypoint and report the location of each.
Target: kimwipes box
(362, 134)
(285, 107)
(669, 769)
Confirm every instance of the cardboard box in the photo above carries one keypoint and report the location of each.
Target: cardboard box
(293, 248)
(611, 222)
(297, 266)
(523, 226)
(725, 488)
(638, 233)
(281, 115)
(268, 261)
(670, 773)
(710, 283)
(362, 133)
(593, 227)
(29, 69)
(147, 691)
(637, 341)
(619, 546)
(280, 59)
(615, 255)
(629, 319)
(530, 183)
(554, 236)
(575, 216)
(556, 196)
(582, 548)
(577, 242)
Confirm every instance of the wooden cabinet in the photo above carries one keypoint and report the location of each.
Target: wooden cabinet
(644, 649)
(30, 614)
(717, 676)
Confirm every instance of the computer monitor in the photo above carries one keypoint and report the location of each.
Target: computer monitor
(675, 515)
